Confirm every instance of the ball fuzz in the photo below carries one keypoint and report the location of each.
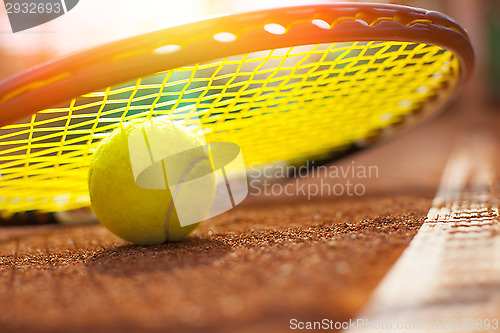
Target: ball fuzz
(133, 188)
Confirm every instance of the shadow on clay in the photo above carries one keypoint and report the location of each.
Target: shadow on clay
(127, 260)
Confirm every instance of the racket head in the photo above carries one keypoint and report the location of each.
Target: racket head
(277, 82)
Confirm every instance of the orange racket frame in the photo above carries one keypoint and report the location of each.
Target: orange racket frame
(77, 74)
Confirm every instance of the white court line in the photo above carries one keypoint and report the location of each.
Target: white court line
(451, 269)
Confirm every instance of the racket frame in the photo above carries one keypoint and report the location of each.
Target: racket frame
(74, 75)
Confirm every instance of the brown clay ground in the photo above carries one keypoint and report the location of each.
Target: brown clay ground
(251, 269)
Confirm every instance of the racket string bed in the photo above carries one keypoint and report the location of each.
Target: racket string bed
(300, 101)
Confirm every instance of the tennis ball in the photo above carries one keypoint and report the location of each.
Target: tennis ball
(147, 215)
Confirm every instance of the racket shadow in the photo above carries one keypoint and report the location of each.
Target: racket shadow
(131, 260)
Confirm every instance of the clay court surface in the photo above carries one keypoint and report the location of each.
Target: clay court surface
(252, 269)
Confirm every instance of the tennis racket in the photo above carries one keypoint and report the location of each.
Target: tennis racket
(288, 85)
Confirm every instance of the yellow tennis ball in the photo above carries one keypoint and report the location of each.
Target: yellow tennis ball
(146, 175)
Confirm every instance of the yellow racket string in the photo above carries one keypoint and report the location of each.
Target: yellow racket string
(277, 105)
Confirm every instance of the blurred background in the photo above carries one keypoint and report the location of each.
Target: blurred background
(94, 22)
